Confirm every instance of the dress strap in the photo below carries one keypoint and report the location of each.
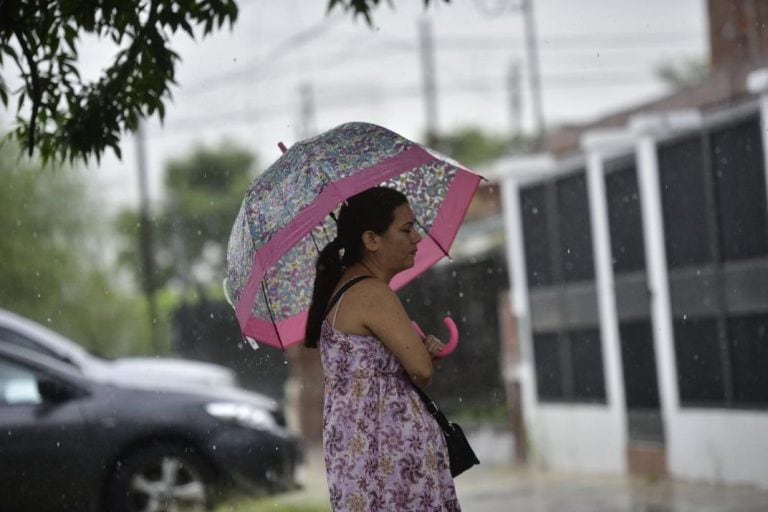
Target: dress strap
(341, 291)
(338, 307)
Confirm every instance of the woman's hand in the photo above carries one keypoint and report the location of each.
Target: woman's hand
(433, 345)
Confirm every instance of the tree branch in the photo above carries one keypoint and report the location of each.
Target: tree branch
(35, 93)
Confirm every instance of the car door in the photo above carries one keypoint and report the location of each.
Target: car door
(43, 441)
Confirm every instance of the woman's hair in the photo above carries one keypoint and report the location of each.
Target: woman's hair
(370, 210)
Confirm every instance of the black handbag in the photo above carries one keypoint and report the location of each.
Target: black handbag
(460, 454)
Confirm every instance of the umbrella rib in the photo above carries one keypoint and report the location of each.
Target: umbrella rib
(269, 310)
(434, 239)
(317, 248)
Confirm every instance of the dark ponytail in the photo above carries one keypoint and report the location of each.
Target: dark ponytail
(328, 271)
(371, 210)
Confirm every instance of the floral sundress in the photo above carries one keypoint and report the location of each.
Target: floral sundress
(383, 450)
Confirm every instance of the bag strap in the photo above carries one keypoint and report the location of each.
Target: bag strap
(435, 411)
(346, 286)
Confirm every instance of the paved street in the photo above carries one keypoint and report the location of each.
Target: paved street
(504, 489)
(495, 486)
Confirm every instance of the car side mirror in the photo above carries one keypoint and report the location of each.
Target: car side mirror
(52, 390)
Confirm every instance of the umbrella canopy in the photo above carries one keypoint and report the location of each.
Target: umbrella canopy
(285, 219)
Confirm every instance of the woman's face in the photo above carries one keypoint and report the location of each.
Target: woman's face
(398, 243)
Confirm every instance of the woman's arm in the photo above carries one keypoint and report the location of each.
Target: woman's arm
(386, 318)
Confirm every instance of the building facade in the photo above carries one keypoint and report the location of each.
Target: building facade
(639, 284)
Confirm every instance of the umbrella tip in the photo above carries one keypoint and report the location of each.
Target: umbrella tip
(282, 147)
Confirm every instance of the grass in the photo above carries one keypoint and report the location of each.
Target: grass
(271, 505)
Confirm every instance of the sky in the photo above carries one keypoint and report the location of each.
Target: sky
(245, 85)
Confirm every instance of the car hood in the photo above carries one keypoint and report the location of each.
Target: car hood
(172, 370)
(194, 389)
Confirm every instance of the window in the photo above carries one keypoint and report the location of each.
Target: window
(537, 247)
(748, 347)
(699, 362)
(739, 176)
(549, 371)
(638, 359)
(683, 183)
(587, 365)
(573, 226)
(14, 338)
(569, 366)
(625, 220)
(18, 385)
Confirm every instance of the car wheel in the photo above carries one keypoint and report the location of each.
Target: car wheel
(160, 479)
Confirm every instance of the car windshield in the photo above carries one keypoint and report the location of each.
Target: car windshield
(15, 338)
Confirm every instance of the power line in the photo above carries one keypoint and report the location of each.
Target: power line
(279, 51)
(392, 46)
(345, 96)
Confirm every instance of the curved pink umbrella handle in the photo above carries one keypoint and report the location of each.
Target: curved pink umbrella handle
(453, 336)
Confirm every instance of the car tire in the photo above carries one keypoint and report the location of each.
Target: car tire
(161, 478)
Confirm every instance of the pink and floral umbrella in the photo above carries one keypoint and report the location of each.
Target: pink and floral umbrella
(285, 219)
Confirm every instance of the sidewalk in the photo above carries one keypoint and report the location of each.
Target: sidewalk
(495, 487)
(507, 489)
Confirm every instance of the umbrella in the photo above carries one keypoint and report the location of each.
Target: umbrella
(287, 217)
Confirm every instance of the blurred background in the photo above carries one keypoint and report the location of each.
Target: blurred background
(126, 255)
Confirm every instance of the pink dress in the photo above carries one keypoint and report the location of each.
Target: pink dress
(383, 450)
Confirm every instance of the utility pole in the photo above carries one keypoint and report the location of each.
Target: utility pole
(307, 125)
(145, 237)
(428, 79)
(532, 57)
(513, 90)
(525, 7)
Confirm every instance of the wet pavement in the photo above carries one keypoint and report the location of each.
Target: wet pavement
(505, 489)
(497, 486)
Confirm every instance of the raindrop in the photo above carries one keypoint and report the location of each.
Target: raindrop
(49, 319)
(461, 295)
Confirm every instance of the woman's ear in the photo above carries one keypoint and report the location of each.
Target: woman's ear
(370, 240)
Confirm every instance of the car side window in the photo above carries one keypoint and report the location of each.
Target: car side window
(18, 385)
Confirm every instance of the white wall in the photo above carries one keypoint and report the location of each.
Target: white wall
(578, 438)
(719, 446)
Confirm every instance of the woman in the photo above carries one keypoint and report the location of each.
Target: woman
(383, 450)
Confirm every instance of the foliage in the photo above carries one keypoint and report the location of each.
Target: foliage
(52, 267)
(69, 118)
(203, 195)
(683, 74)
(471, 146)
(363, 7)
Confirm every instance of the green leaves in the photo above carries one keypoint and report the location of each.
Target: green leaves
(64, 118)
(363, 8)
